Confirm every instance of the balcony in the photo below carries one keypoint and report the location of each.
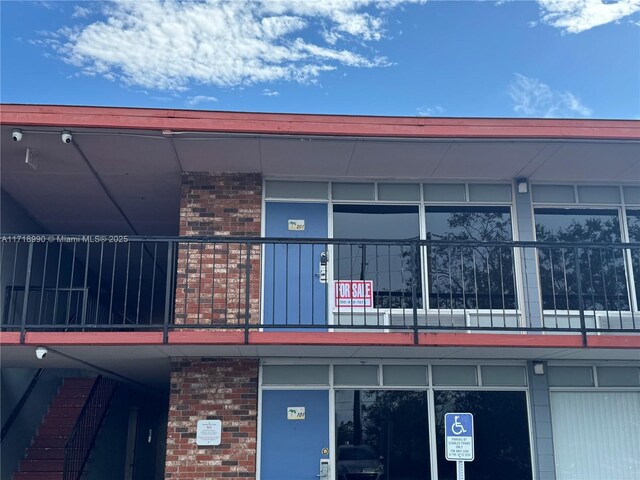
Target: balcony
(320, 286)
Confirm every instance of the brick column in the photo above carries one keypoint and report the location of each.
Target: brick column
(223, 389)
(212, 277)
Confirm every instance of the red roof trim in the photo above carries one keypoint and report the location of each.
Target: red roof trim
(190, 337)
(314, 125)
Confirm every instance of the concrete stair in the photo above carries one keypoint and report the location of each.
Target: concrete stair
(44, 459)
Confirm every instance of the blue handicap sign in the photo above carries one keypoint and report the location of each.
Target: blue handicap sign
(458, 425)
(458, 433)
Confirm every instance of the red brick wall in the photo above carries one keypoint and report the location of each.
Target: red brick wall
(212, 277)
(223, 389)
(224, 204)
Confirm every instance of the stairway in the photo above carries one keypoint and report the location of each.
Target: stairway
(44, 459)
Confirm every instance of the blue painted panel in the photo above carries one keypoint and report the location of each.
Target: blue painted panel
(293, 294)
(292, 449)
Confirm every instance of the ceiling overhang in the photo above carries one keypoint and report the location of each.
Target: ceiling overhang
(124, 165)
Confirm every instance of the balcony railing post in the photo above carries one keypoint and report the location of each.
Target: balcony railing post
(583, 326)
(25, 301)
(414, 289)
(247, 294)
(168, 295)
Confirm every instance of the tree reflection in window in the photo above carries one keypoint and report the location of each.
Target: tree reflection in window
(633, 223)
(470, 277)
(391, 268)
(382, 435)
(602, 274)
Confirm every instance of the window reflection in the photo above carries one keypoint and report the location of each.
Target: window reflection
(382, 435)
(633, 222)
(391, 268)
(473, 277)
(601, 270)
(501, 434)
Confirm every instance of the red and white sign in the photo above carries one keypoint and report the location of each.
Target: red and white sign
(354, 293)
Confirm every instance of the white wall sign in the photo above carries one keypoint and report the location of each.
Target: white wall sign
(296, 225)
(295, 413)
(209, 432)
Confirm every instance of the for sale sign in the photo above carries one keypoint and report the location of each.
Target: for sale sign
(354, 293)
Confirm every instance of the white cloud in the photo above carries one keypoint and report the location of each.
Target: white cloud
(80, 12)
(198, 99)
(575, 16)
(270, 93)
(430, 111)
(532, 98)
(167, 44)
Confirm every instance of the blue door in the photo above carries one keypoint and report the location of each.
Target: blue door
(292, 449)
(294, 293)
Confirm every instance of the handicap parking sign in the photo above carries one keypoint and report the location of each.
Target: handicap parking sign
(458, 433)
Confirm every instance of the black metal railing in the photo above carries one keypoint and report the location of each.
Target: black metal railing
(6, 427)
(85, 431)
(80, 284)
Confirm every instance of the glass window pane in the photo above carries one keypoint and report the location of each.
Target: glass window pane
(503, 375)
(570, 376)
(602, 273)
(595, 435)
(633, 224)
(399, 191)
(489, 193)
(454, 375)
(631, 195)
(610, 195)
(398, 375)
(618, 376)
(310, 190)
(352, 191)
(446, 192)
(471, 277)
(295, 374)
(501, 431)
(553, 193)
(390, 267)
(382, 435)
(355, 375)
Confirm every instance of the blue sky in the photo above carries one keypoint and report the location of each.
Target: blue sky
(543, 58)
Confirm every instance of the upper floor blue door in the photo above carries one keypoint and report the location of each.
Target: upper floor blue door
(294, 292)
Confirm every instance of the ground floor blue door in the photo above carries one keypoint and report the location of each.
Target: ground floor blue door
(294, 292)
(295, 434)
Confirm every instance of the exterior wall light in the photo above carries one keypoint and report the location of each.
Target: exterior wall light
(538, 368)
(522, 185)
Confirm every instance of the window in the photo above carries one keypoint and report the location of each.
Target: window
(470, 277)
(382, 434)
(609, 441)
(633, 223)
(501, 434)
(597, 270)
(391, 267)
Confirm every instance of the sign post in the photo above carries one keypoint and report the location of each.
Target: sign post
(458, 435)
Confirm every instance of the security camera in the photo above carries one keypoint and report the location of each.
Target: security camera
(66, 137)
(41, 352)
(16, 135)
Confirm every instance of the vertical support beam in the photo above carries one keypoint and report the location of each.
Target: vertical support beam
(25, 301)
(583, 325)
(414, 293)
(247, 291)
(541, 431)
(168, 292)
(525, 222)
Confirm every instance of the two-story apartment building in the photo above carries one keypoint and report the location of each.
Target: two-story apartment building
(291, 297)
